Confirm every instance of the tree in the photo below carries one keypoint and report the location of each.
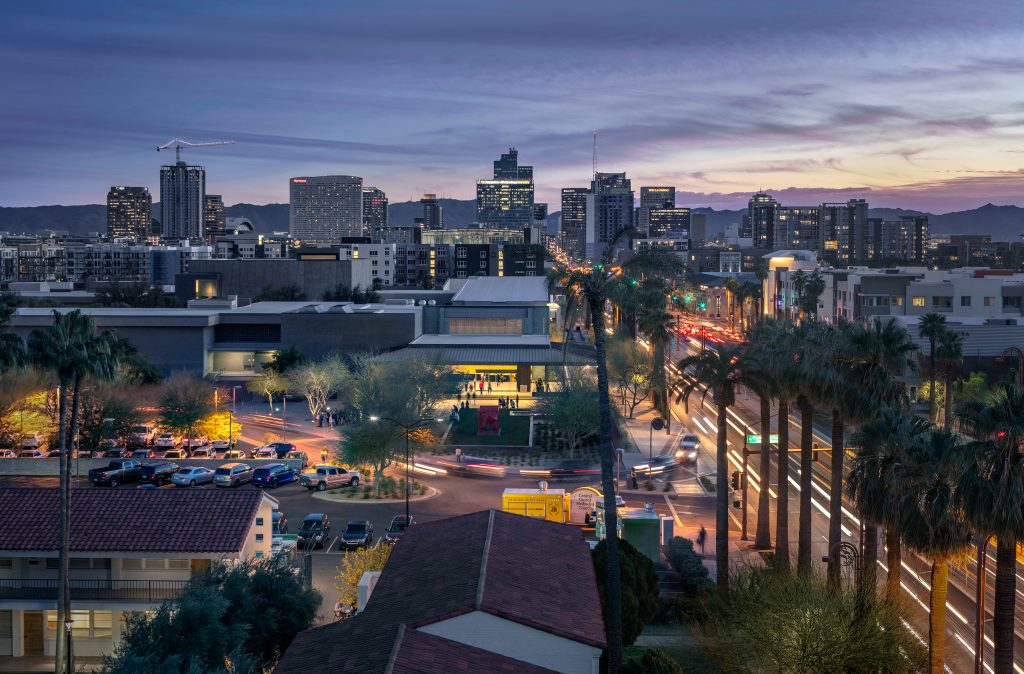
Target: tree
(573, 410)
(931, 326)
(973, 388)
(814, 286)
(931, 520)
(659, 326)
(653, 661)
(950, 350)
(629, 371)
(317, 381)
(340, 293)
(990, 488)
(284, 360)
(12, 349)
(245, 614)
(352, 568)
(685, 561)
(109, 410)
(762, 379)
(284, 293)
(639, 588)
(716, 373)
(184, 402)
(268, 383)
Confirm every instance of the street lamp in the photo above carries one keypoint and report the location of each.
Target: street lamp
(845, 553)
(408, 427)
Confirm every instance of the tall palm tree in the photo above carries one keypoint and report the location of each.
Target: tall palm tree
(950, 350)
(990, 486)
(932, 521)
(658, 324)
(732, 287)
(931, 326)
(761, 377)
(716, 373)
(872, 488)
(807, 343)
(784, 363)
(72, 350)
(814, 286)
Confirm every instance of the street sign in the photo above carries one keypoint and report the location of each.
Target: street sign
(756, 439)
(658, 424)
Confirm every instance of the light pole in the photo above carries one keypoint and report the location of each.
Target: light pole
(408, 428)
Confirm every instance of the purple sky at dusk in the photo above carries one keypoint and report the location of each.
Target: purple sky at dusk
(916, 103)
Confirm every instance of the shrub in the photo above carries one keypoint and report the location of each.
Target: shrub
(685, 561)
(639, 588)
(653, 661)
(648, 485)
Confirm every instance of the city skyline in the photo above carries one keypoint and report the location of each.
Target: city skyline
(924, 119)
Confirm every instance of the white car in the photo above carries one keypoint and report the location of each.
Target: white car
(203, 453)
(689, 447)
(31, 441)
(31, 454)
(220, 445)
(7, 454)
(193, 442)
(264, 453)
(167, 441)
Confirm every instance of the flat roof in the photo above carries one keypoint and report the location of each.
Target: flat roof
(481, 340)
(502, 289)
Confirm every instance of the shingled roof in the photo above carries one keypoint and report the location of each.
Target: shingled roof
(521, 569)
(130, 520)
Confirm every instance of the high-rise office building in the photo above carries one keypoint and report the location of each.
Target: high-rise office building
(653, 197)
(667, 223)
(797, 228)
(698, 228)
(540, 212)
(214, 217)
(325, 208)
(609, 210)
(507, 199)
(574, 221)
(375, 210)
(128, 212)
(844, 229)
(433, 213)
(760, 220)
(902, 240)
(182, 201)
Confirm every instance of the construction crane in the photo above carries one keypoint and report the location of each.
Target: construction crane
(178, 143)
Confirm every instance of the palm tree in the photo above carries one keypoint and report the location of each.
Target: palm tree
(814, 286)
(873, 490)
(949, 351)
(658, 325)
(783, 361)
(807, 344)
(990, 486)
(732, 288)
(932, 521)
(761, 377)
(71, 349)
(931, 326)
(717, 373)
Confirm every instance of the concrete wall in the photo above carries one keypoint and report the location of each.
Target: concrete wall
(248, 278)
(316, 335)
(51, 467)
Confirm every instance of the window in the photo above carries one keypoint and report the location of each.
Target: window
(461, 264)
(483, 254)
(259, 538)
(485, 326)
(80, 563)
(989, 301)
(259, 521)
(897, 300)
(918, 301)
(154, 564)
(85, 624)
(531, 264)
(259, 553)
(461, 252)
(965, 300)
(942, 301)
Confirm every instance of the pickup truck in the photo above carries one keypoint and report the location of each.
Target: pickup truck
(329, 477)
(118, 471)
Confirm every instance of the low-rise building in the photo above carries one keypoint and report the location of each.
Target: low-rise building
(130, 551)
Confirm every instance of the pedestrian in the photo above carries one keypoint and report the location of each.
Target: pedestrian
(489, 389)
(481, 386)
(702, 537)
(632, 475)
(320, 420)
(517, 401)
(323, 456)
(474, 395)
(458, 396)
(458, 455)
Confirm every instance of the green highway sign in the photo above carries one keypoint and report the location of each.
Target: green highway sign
(756, 439)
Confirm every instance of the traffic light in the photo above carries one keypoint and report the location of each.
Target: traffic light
(632, 282)
(689, 297)
(737, 503)
(703, 305)
(735, 480)
(814, 452)
(675, 298)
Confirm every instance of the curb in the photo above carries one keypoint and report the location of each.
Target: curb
(335, 498)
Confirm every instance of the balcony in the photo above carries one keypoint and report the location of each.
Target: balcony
(92, 590)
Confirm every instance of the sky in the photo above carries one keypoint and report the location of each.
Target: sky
(914, 103)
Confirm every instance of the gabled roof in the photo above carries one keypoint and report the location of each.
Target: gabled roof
(524, 570)
(421, 653)
(130, 520)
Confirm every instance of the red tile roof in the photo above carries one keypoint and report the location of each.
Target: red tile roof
(525, 570)
(130, 520)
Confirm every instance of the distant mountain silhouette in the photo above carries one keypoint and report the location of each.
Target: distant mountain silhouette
(1004, 223)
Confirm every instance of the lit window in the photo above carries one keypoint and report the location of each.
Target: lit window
(989, 301)
(918, 301)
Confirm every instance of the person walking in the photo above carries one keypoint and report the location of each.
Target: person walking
(323, 456)
(458, 455)
(702, 537)
(517, 401)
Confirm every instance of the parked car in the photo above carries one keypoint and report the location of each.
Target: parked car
(31, 441)
(142, 435)
(176, 454)
(298, 454)
(282, 448)
(157, 473)
(194, 442)
(190, 476)
(7, 454)
(358, 534)
(328, 477)
(31, 454)
(689, 447)
(167, 441)
(280, 523)
(203, 453)
(273, 475)
(116, 453)
(143, 454)
(75, 454)
(221, 445)
(234, 454)
(118, 471)
(395, 530)
(264, 452)
(315, 531)
(232, 475)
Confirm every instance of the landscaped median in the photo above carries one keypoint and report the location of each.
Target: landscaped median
(391, 491)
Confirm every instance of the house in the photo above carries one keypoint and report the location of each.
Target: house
(484, 592)
(130, 550)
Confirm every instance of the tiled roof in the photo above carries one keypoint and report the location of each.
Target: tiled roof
(130, 520)
(525, 570)
(422, 653)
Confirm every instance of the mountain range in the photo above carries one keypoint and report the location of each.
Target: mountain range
(1004, 223)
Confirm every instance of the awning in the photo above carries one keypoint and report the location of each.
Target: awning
(494, 355)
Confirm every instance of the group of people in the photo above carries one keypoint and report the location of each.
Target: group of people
(330, 419)
(509, 403)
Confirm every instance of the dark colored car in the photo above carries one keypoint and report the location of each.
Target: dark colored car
(315, 531)
(118, 471)
(280, 525)
(273, 475)
(664, 463)
(566, 469)
(116, 453)
(282, 448)
(358, 534)
(157, 473)
(395, 530)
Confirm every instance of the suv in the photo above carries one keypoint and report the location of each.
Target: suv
(157, 473)
(299, 455)
(143, 454)
(232, 475)
(203, 453)
(175, 454)
(273, 474)
(142, 435)
(399, 523)
(358, 534)
(315, 531)
(689, 447)
(329, 477)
